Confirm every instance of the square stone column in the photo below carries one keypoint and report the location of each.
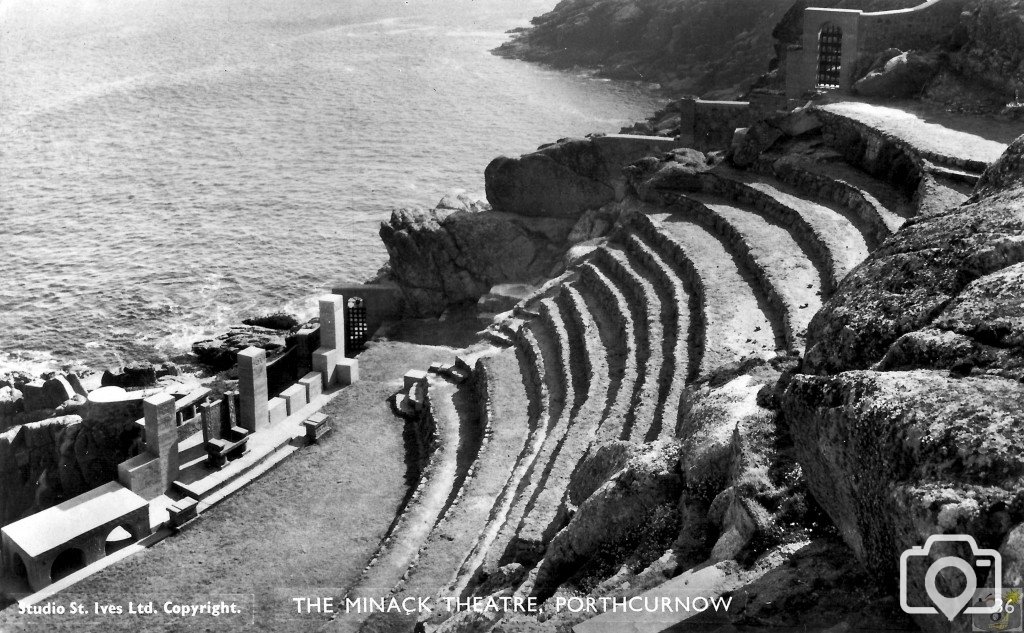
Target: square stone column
(252, 389)
(162, 435)
(332, 323)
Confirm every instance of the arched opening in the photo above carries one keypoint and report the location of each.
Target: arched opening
(67, 562)
(356, 329)
(18, 566)
(830, 56)
(119, 538)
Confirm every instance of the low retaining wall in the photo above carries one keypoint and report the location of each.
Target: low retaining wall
(709, 125)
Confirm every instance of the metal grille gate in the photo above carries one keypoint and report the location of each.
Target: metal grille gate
(356, 330)
(830, 56)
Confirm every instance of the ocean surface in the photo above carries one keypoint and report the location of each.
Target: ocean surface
(168, 167)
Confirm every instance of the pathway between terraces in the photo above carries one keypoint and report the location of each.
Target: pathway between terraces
(307, 527)
(943, 133)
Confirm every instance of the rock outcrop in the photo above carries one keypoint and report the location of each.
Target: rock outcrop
(565, 179)
(903, 76)
(689, 46)
(46, 462)
(442, 257)
(222, 352)
(907, 414)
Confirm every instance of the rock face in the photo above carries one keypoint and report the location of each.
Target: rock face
(222, 352)
(560, 180)
(275, 321)
(137, 374)
(994, 53)
(907, 417)
(445, 256)
(564, 179)
(903, 76)
(46, 462)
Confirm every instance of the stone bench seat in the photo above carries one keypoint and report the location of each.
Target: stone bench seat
(598, 290)
(231, 446)
(559, 421)
(733, 325)
(681, 303)
(548, 510)
(882, 208)
(647, 395)
(469, 524)
(788, 283)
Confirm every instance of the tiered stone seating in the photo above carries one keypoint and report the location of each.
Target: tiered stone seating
(733, 324)
(788, 284)
(646, 395)
(880, 207)
(600, 290)
(559, 419)
(676, 312)
(506, 443)
(432, 497)
(548, 512)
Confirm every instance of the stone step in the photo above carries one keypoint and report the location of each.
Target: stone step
(828, 237)
(598, 289)
(549, 511)
(532, 364)
(582, 368)
(648, 396)
(683, 268)
(191, 448)
(881, 208)
(503, 547)
(553, 339)
(432, 497)
(638, 304)
(677, 306)
(506, 443)
(789, 284)
(734, 325)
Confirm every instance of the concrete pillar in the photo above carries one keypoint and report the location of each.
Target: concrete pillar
(325, 361)
(252, 388)
(277, 410)
(313, 384)
(39, 573)
(307, 340)
(348, 371)
(211, 415)
(332, 323)
(294, 398)
(162, 435)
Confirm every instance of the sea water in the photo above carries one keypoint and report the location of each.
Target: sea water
(168, 167)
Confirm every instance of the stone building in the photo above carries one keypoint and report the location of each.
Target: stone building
(839, 45)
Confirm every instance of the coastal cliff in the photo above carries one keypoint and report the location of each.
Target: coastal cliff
(718, 50)
(687, 46)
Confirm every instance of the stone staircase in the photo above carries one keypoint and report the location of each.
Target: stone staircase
(732, 266)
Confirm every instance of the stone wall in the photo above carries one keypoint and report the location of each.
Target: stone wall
(709, 125)
(934, 23)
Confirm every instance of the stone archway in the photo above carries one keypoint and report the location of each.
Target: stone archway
(830, 56)
(66, 563)
(118, 538)
(18, 567)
